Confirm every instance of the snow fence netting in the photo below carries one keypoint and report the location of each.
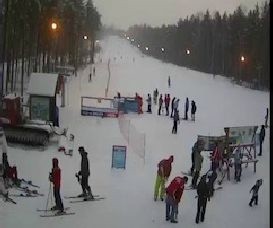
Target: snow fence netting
(134, 138)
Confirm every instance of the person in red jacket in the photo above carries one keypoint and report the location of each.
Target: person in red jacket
(163, 173)
(216, 157)
(55, 178)
(173, 196)
(167, 103)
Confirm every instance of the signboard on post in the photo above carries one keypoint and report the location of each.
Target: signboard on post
(118, 156)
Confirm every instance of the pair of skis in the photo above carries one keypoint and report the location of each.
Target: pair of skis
(57, 213)
(84, 199)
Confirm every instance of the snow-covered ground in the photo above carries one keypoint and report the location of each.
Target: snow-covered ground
(129, 193)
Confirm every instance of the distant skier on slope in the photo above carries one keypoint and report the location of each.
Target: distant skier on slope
(186, 109)
(167, 103)
(176, 121)
(193, 110)
(149, 102)
(169, 81)
(172, 103)
(160, 102)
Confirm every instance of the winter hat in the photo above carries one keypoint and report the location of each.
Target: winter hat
(81, 149)
(55, 162)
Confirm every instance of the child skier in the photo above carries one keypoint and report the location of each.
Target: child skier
(254, 191)
(149, 101)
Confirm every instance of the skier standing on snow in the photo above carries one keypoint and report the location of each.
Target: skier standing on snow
(186, 109)
(55, 178)
(198, 160)
(193, 110)
(155, 96)
(84, 173)
(176, 120)
(172, 106)
(175, 104)
(203, 196)
(211, 176)
(254, 191)
(160, 104)
(238, 164)
(196, 147)
(169, 81)
(261, 138)
(167, 103)
(149, 101)
(173, 195)
(163, 173)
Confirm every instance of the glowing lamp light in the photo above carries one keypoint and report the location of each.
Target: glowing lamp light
(128, 38)
(242, 59)
(188, 51)
(146, 48)
(85, 37)
(162, 49)
(54, 26)
(138, 46)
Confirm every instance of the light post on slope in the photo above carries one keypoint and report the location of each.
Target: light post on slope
(163, 51)
(188, 52)
(54, 29)
(242, 62)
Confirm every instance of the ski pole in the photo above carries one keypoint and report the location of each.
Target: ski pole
(48, 195)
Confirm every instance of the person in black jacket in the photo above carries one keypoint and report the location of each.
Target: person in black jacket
(261, 137)
(84, 173)
(186, 108)
(193, 110)
(211, 177)
(172, 106)
(203, 196)
(175, 121)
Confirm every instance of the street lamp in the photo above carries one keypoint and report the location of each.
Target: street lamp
(85, 37)
(54, 26)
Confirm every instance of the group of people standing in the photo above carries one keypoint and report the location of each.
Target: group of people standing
(174, 191)
(173, 103)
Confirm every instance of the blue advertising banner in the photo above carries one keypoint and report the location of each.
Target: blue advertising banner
(118, 156)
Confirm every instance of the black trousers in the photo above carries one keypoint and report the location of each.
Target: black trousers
(254, 199)
(172, 112)
(174, 130)
(84, 184)
(159, 110)
(201, 208)
(167, 110)
(58, 200)
(192, 163)
(261, 147)
(149, 109)
(195, 178)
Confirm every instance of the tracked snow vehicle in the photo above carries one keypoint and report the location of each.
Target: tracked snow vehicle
(19, 129)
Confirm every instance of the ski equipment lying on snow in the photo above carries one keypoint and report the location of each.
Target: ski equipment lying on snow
(8, 199)
(29, 182)
(75, 197)
(26, 195)
(87, 199)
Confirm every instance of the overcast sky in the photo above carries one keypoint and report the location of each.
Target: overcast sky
(124, 13)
